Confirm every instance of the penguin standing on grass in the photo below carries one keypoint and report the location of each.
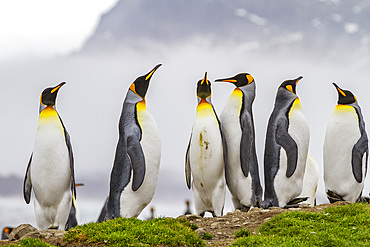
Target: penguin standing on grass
(136, 165)
(345, 150)
(50, 171)
(206, 156)
(242, 176)
(286, 148)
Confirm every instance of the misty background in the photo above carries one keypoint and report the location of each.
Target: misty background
(100, 49)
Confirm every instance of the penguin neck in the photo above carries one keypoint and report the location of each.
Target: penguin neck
(132, 97)
(204, 100)
(249, 93)
(284, 97)
(43, 107)
(203, 106)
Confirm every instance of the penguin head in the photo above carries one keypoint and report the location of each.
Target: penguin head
(141, 84)
(204, 88)
(239, 80)
(345, 97)
(290, 85)
(49, 95)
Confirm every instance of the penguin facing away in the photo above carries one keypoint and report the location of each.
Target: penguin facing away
(136, 165)
(345, 150)
(286, 148)
(242, 176)
(50, 171)
(206, 156)
(310, 181)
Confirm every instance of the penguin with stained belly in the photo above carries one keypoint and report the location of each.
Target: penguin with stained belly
(310, 181)
(206, 156)
(136, 165)
(286, 147)
(345, 150)
(50, 171)
(242, 176)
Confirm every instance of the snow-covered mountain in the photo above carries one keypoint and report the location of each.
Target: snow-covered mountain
(326, 26)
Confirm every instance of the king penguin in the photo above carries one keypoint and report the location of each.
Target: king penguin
(206, 155)
(345, 150)
(242, 176)
(286, 148)
(136, 165)
(50, 171)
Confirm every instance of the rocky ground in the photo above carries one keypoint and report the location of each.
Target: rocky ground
(222, 228)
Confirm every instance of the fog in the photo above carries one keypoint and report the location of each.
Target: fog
(91, 101)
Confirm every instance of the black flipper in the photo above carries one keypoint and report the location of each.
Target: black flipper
(137, 158)
(358, 151)
(287, 142)
(27, 185)
(246, 142)
(187, 166)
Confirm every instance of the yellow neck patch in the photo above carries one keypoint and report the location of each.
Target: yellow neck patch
(204, 108)
(290, 88)
(296, 105)
(48, 112)
(141, 105)
(342, 108)
(237, 92)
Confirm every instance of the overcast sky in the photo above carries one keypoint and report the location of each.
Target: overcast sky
(46, 28)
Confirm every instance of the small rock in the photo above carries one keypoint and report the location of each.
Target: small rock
(304, 205)
(34, 234)
(200, 232)
(20, 231)
(193, 217)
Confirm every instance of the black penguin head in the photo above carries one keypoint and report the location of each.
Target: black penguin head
(49, 95)
(141, 84)
(345, 97)
(290, 85)
(239, 80)
(204, 87)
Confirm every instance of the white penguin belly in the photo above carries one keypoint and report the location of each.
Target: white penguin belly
(207, 166)
(289, 188)
(239, 186)
(342, 134)
(133, 202)
(310, 181)
(50, 172)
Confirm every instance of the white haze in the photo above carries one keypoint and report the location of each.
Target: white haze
(91, 101)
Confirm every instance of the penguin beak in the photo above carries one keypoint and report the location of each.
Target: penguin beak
(298, 79)
(204, 79)
(149, 75)
(231, 79)
(339, 89)
(77, 185)
(55, 89)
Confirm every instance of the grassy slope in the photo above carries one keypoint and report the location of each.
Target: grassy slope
(347, 225)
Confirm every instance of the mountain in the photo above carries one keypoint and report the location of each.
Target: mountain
(323, 25)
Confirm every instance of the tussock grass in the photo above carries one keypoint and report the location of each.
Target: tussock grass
(347, 225)
(134, 232)
(30, 242)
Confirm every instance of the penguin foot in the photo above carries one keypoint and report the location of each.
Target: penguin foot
(53, 228)
(364, 199)
(294, 203)
(244, 208)
(333, 197)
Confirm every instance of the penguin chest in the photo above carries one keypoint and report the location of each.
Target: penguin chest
(151, 145)
(50, 167)
(342, 133)
(206, 151)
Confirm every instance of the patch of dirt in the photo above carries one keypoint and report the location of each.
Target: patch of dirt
(222, 228)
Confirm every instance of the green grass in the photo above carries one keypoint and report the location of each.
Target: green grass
(347, 225)
(30, 242)
(134, 232)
